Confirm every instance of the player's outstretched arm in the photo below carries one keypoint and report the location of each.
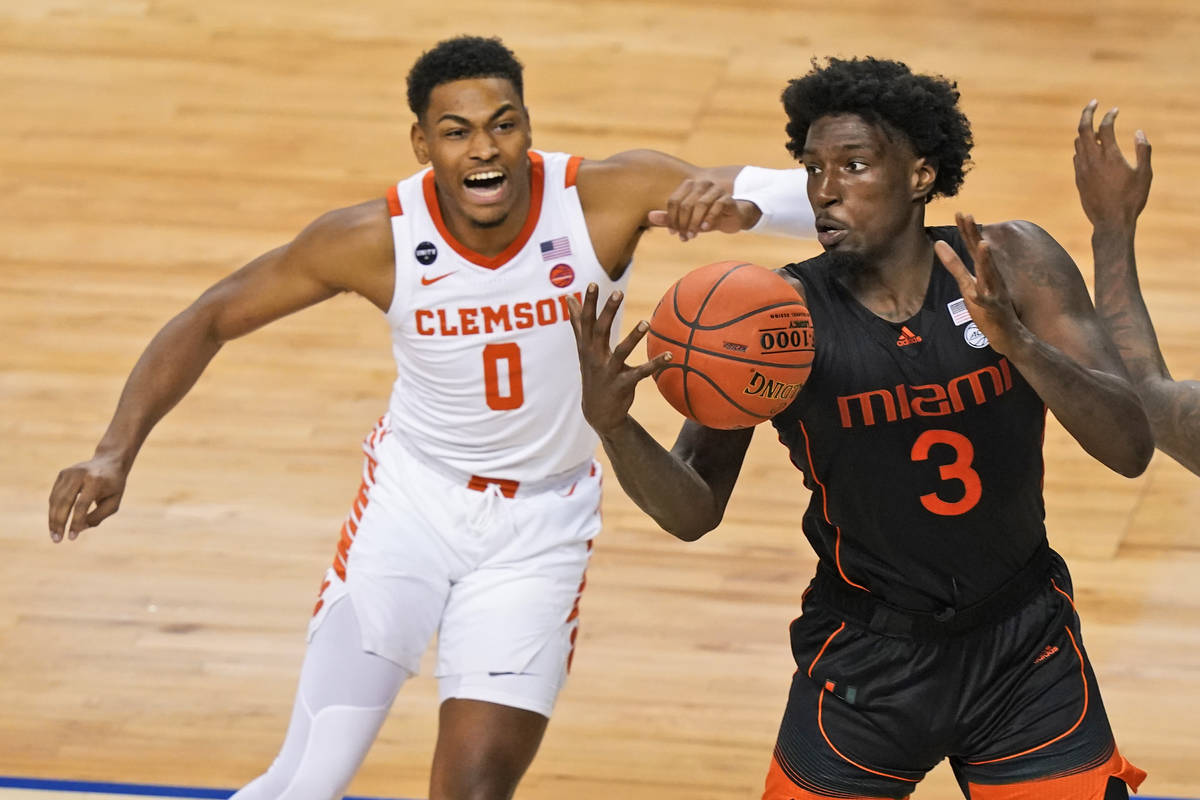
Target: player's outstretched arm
(642, 188)
(337, 252)
(1113, 194)
(685, 490)
(1029, 299)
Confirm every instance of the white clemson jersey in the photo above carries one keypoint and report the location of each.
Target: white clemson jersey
(487, 376)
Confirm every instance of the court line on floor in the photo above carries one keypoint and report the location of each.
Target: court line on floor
(128, 789)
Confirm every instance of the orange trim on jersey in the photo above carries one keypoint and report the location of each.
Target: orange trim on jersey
(508, 488)
(572, 170)
(393, 201)
(1070, 599)
(781, 787)
(537, 182)
(350, 527)
(1069, 731)
(574, 615)
(1087, 785)
(842, 756)
(821, 652)
(837, 547)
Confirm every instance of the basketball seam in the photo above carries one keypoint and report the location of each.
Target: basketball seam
(725, 324)
(687, 400)
(692, 370)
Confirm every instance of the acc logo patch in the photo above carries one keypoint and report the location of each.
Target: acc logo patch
(426, 253)
(562, 276)
(975, 337)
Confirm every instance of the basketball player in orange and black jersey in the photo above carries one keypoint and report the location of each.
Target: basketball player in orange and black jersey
(939, 623)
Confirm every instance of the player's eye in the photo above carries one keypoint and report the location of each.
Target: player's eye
(454, 133)
(812, 169)
(856, 166)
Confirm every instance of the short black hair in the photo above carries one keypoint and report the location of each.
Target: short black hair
(458, 59)
(924, 108)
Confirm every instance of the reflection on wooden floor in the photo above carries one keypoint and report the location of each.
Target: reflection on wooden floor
(147, 147)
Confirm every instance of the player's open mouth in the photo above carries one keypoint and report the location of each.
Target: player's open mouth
(485, 186)
(829, 233)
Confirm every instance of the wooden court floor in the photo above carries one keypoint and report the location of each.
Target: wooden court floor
(148, 147)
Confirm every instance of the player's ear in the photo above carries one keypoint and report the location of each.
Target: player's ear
(924, 173)
(420, 144)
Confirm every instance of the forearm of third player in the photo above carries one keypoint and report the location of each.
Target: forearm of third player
(1121, 308)
(664, 484)
(1173, 407)
(1100, 410)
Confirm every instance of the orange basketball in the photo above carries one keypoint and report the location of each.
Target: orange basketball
(741, 340)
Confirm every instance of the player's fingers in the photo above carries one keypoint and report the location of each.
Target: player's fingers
(587, 314)
(987, 280)
(62, 496)
(717, 205)
(1141, 147)
(574, 312)
(625, 346)
(104, 509)
(703, 196)
(682, 222)
(79, 510)
(651, 367)
(673, 203)
(1107, 135)
(604, 320)
(1087, 128)
(657, 218)
(954, 265)
(968, 229)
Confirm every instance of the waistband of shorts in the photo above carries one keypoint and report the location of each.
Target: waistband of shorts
(890, 620)
(508, 487)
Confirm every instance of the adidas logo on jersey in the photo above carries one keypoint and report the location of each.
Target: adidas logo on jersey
(1049, 651)
(907, 337)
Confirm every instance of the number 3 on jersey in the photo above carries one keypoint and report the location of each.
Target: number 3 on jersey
(957, 470)
(514, 394)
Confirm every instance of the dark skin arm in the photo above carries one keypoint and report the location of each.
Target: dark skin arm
(1029, 299)
(684, 489)
(624, 195)
(1113, 194)
(345, 250)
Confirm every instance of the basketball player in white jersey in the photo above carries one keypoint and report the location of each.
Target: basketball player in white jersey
(480, 496)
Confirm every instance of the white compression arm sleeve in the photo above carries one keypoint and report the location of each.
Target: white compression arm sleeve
(782, 197)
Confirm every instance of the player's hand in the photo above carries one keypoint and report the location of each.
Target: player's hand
(1112, 192)
(700, 205)
(985, 292)
(85, 495)
(608, 382)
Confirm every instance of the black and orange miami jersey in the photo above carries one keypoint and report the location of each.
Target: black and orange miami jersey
(921, 445)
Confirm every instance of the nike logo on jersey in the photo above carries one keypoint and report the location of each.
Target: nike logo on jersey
(428, 281)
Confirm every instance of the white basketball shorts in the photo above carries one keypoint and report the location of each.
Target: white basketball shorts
(496, 568)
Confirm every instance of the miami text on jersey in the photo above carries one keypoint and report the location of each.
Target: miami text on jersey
(927, 400)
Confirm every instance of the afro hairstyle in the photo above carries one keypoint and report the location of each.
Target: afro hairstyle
(923, 108)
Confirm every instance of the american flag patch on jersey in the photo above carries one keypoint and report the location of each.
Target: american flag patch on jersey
(958, 311)
(555, 248)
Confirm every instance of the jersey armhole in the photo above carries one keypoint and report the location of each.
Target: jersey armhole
(393, 201)
(572, 171)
